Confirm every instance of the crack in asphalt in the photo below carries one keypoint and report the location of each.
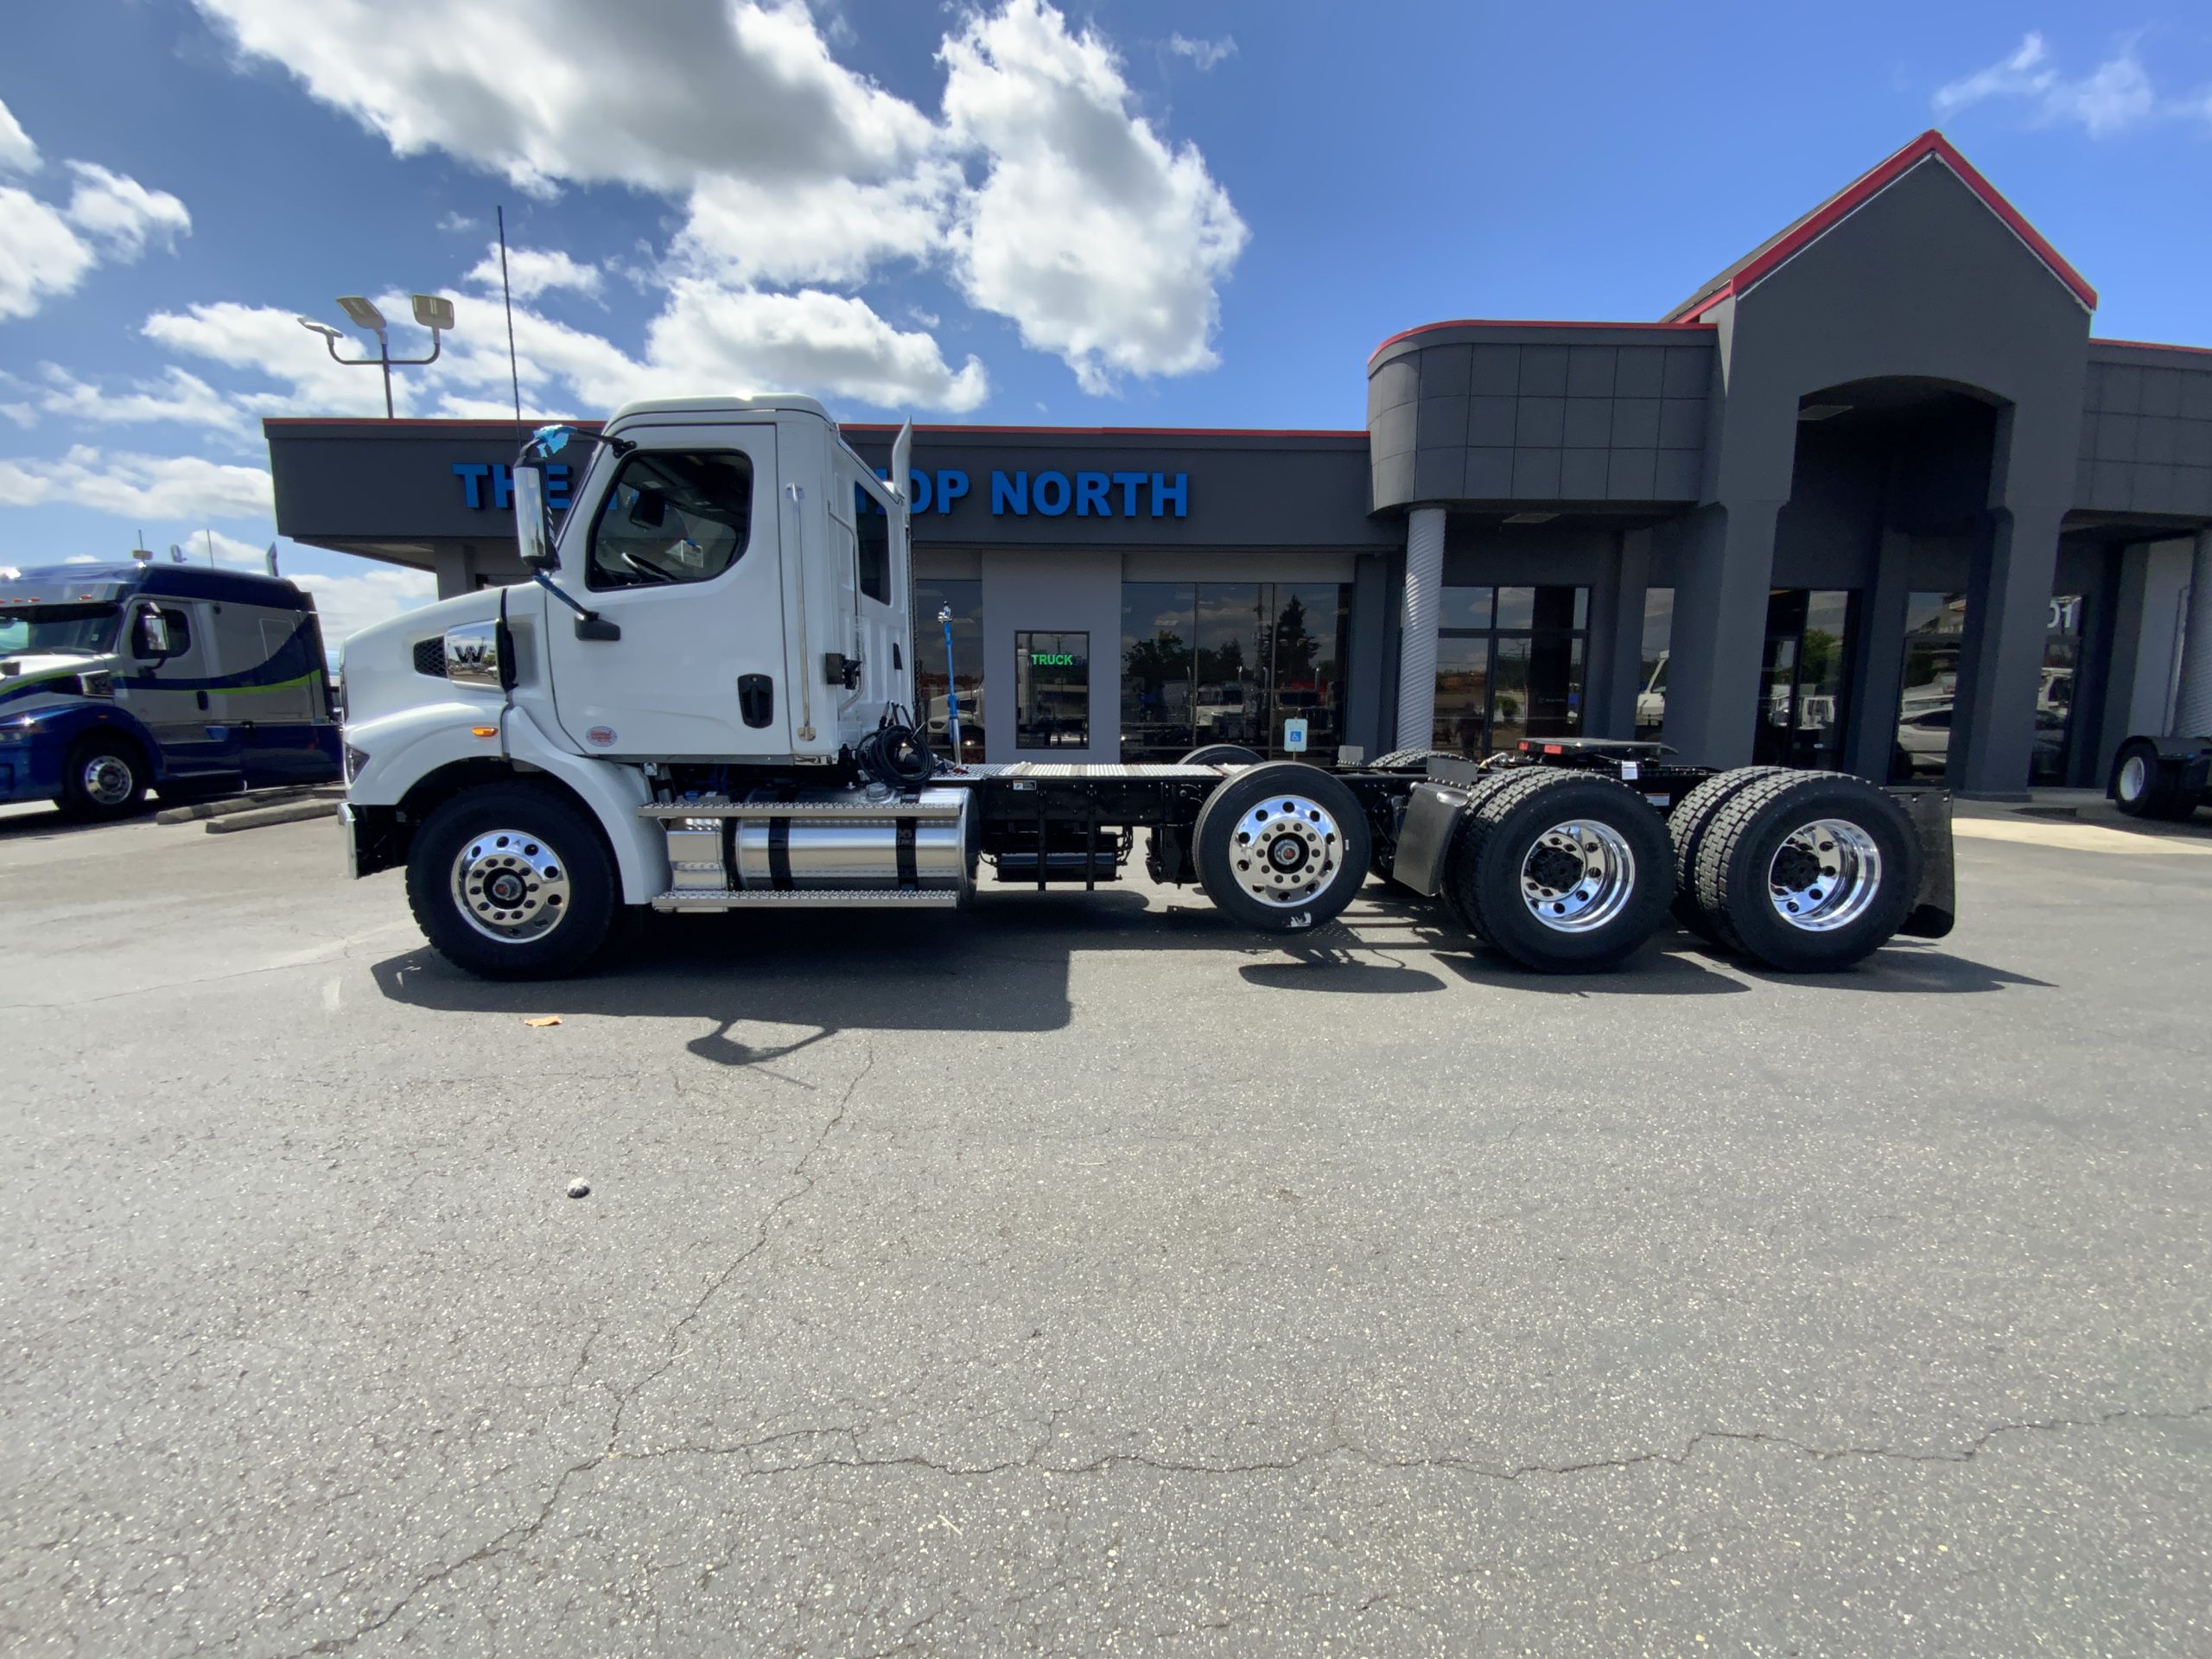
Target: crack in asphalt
(516, 1537)
(522, 1534)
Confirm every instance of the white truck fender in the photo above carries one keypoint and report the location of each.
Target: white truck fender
(396, 752)
(613, 793)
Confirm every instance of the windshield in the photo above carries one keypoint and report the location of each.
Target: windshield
(84, 630)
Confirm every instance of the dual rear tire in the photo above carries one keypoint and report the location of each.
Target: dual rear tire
(1803, 872)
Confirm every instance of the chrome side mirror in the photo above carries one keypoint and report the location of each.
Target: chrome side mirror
(154, 643)
(533, 535)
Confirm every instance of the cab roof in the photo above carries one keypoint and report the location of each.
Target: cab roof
(73, 584)
(781, 402)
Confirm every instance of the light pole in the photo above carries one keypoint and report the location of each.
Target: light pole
(433, 311)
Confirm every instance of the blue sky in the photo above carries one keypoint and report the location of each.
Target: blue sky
(1122, 214)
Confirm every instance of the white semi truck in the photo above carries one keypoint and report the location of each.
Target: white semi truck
(702, 703)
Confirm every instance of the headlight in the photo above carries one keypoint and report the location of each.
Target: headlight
(355, 760)
(97, 684)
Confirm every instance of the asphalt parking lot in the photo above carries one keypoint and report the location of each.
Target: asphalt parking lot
(1089, 1277)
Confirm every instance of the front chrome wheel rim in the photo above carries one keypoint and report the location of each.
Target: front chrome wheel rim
(511, 886)
(1824, 876)
(2133, 774)
(108, 781)
(1287, 850)
(1578, 876)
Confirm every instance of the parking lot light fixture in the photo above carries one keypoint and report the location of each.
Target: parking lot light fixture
(432, 311)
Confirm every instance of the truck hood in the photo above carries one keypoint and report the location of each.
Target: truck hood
(26, 665)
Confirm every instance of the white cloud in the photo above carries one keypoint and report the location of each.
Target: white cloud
(456, 224)
(120, 214)
(1103, 243)
(268, 341)
(1100, 242)
(710, 88)
(531, 271)
(40, 256)
(723, 339)
(2115, 95)
(48, 250)
(17, 153)
(349, 603)
(743, 230)
(136, 485)
(1206, 55)
(179, 396)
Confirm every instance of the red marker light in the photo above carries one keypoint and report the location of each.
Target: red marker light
(1553, 748)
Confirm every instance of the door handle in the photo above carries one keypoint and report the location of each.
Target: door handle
(202, 696)
(756, 699)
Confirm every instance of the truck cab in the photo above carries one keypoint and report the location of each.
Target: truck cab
(116, 679)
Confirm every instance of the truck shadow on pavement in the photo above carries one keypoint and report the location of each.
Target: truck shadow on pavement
(1004, 967)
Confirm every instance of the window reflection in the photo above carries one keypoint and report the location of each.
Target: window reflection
(934, 711)
(1518, 675)
(1230, 662)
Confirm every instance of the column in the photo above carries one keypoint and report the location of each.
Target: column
(1417, 627)
(1616, 673)
(1712, 668)
(456, 570)
(2008, 616)
(2193, 707)
(1877, 665)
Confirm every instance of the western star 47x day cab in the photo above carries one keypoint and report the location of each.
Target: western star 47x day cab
(117, 677)
(703, 702)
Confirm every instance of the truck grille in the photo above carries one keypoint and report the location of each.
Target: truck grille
(430, 657)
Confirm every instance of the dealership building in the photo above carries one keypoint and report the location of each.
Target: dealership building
(1874, 498)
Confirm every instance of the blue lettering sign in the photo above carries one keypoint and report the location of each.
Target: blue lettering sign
(1163, 492)
(556, 486)
(1130, 483)
(1056, 503)
(470, 472)
(1009, 494)
(503, 486)
(1090, 496)
(951, 485)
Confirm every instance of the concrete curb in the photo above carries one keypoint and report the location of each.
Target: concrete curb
(293, 813)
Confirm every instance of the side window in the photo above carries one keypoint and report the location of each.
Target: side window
(874, 531)
(175, 618)
(672, 516)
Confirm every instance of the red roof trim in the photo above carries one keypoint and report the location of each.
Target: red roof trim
(2152, 346)
(1930, 144)
(1497, 322)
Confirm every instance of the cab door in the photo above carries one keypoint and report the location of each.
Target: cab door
(173, 692)
(679, 559)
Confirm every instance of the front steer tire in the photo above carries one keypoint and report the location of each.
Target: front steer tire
(1808, 872)
(103, 778)
(1324, 854)
(1508, 873)
(519, 833)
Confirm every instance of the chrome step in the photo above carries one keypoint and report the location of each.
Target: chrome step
(812, 899)
(935, 805)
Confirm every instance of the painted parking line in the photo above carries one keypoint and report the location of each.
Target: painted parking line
(2080, 837)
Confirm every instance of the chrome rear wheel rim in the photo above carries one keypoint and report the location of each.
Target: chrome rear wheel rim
(1578, 876)
(511, 886)
(108, 781)
(1824, 876)
(2133, 775)
(1287, 850)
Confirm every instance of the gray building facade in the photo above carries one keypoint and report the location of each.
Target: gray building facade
(1874, 498)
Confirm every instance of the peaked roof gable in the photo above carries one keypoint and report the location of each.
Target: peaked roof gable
(1795, 238)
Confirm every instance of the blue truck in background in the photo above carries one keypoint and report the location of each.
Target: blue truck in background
(116, 679)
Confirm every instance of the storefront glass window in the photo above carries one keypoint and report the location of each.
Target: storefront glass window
(1051, 690)
(1229, 662)
(1935, 637)
(1651, 685)
(1804, 699)
(2062, 655)
(966, 601)
(1159, 625)
(1518, 675)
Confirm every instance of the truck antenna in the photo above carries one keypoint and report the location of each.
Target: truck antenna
(507, 296)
